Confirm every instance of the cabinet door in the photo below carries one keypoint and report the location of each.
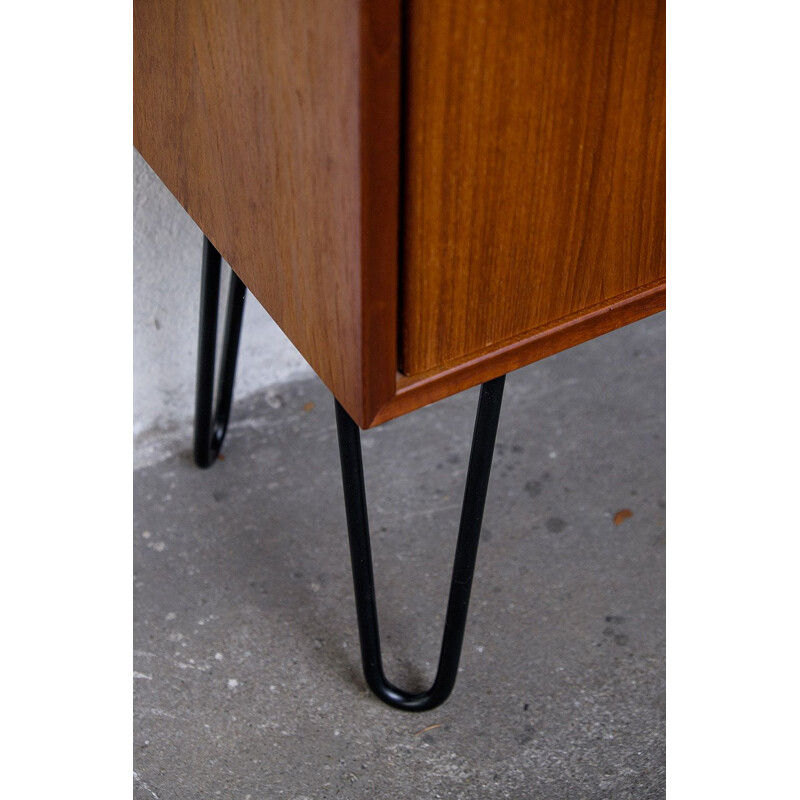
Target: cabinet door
(534, 168)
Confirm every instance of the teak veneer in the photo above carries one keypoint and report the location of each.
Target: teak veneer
(424, 195)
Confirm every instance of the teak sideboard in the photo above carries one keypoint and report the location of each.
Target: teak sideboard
(424, 195)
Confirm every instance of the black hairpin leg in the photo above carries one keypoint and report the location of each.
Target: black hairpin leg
(480, 463)
(209, 431)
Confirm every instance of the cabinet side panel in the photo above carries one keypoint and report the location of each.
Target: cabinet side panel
(535, 183)
(249, 114)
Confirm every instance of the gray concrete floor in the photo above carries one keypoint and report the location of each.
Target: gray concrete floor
(247, 681)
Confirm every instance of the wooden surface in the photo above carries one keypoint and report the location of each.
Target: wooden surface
(420, 390)
(535, 168)
(258, 117)
(379, 111)
(457, 203)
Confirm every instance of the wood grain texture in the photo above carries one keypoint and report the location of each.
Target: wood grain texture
(535, 168)
(381, 51)
(531, 223)
(266, 121)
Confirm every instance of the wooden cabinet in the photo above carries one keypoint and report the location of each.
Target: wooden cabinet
(423, 195)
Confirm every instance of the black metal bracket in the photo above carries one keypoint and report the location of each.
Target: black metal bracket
(480, 463)
(209, 429)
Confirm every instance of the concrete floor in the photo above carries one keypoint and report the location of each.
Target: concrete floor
(247, 681)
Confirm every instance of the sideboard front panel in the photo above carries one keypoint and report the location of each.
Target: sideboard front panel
(534, 169)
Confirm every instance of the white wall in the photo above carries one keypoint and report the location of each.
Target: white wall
(167, 250)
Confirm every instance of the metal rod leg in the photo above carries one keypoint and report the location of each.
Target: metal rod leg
(209, 429)
(480, 463)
